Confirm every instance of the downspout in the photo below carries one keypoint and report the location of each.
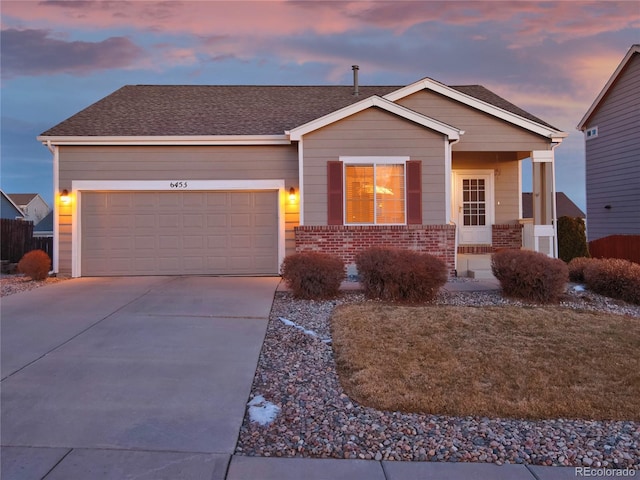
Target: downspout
(553, 199)
(56, 208)
(449, 191)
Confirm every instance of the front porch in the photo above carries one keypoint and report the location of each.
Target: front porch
(486, 206)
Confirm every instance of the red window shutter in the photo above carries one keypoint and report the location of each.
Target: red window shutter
(334, 193)
(414, 192)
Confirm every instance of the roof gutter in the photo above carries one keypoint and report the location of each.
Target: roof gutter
(166, 140)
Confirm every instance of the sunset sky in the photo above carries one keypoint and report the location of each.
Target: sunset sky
(550, 58)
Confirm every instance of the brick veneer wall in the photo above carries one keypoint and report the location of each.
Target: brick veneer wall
(506, 236)
(347, 241)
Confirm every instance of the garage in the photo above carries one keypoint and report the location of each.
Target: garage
(179, 233)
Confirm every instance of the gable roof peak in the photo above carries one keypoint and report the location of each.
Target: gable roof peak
(633, 50)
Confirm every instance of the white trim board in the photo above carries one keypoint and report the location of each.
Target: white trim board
(375, 101)
(168, 140)
(437, 87)
(80, 186)
(633, 50)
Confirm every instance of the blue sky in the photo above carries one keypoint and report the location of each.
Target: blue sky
(59, 56)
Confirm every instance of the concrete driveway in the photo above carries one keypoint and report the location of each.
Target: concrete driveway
(149, 374)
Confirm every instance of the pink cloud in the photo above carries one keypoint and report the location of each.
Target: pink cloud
(523, 23)
(35, 52)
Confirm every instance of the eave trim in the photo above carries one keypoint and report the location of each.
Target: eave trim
(596, 103)
(437, 87)
(168, 140)
(375, 101)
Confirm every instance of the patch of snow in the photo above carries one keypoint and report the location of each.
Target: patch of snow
(261, 411)
(579, 288)
(289, 323)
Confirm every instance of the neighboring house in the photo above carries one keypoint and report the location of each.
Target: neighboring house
(177, 180)
(32, 205)
(44, 228)
(9, 209)
(564, 206)
(612, 147)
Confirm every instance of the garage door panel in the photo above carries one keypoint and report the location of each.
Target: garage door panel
(195, 242)
(217, 242)
(265, 242)
(147, 220)
(242, 199)
(141, 199)
(168, 242)
(214, 199)
(119, 200)
(168, 221)
(217, 221)
(179, 233)
(240, 220)
(240, 242)
(169, 201)
(168, 265)
(194, 199)
(191, 220)
(145, 243)
(263, 219)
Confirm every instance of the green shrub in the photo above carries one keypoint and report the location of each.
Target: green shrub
(313, 275)
(576, 268)
(615, 278)
(530, 275)
(394, 274)
(572, 239)
(35, 264)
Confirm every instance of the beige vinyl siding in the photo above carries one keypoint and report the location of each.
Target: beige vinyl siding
(374, 132)
(505, 168)
(176, 163)
(483, 132)
(613, 158)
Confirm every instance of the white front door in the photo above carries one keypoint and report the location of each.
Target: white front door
(474, 206)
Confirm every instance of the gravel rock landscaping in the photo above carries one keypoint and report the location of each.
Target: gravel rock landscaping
(296, 373)
(10, 284)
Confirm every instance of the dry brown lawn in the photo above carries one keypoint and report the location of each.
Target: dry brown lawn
(536, 362)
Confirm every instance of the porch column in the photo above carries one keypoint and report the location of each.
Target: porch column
(544, 202)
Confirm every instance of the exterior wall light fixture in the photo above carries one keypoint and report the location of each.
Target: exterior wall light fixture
(292, 194)
(65, 199)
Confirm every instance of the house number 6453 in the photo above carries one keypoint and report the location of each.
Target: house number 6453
(182, 184)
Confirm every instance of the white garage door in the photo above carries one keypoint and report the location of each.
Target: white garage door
(179, 233)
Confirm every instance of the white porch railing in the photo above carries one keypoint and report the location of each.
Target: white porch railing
(539, 238)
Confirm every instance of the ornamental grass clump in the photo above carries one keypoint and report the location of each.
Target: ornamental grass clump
(313, 275)
(397, 275)
(615, 278)
(35, 264)
(529, 275)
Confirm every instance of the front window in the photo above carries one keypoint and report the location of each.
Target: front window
(375, 193)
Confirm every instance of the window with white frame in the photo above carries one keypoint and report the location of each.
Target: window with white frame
(591, 133)
(374, 191)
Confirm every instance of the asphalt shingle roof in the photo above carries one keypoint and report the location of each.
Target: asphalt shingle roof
(21, 198)
(564, 206)
(159, 110)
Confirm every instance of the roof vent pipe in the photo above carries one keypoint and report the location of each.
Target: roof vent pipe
(355, 69)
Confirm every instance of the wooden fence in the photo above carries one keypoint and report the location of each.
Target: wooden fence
(616, 246)
(16, 239)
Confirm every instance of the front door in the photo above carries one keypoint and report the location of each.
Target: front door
(474, 206)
